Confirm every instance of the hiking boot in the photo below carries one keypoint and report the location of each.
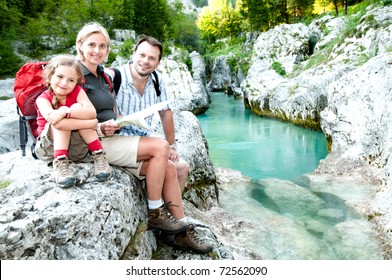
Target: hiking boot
(188, 240)
(62, 172)
(167, 238)
(161, 219)
(101, 165)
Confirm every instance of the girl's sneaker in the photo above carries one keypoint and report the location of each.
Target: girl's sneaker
(62, 172)
(101, 165)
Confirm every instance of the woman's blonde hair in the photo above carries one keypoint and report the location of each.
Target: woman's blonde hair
(85, 32)
(50, 68)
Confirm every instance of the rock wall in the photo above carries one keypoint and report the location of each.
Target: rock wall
(358, 120)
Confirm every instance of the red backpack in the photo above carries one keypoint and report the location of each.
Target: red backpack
(28, 86)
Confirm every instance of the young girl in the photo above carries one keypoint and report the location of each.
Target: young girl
(66, 117)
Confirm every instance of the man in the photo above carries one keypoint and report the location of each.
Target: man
(136, 93)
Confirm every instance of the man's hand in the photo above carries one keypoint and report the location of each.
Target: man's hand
(173, 155)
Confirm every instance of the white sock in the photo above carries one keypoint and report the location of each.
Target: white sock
(154, 204)
(184, 220)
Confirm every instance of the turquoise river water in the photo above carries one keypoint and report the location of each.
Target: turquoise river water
(293, 218)
(258, 147)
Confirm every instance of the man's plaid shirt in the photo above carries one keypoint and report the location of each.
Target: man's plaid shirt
(130, 101)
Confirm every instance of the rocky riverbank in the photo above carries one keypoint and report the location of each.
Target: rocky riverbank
(337, 80)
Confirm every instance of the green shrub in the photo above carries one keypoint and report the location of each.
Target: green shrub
(112, 57)
(127, 48)
(4, 184)
(277, 66)
(9, 62)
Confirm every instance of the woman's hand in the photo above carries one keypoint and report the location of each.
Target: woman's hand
(109, 127)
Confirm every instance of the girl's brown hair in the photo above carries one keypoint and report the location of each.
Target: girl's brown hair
(60, 60)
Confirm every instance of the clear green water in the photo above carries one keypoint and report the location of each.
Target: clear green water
(258, 147)
(293, 216)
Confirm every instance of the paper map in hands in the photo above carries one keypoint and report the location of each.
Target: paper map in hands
(138, 118)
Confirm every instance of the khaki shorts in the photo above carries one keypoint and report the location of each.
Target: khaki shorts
(77, 151)
(121, 150)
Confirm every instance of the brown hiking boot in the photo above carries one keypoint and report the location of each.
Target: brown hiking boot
(62, 172)
(101, 165)
(189, 240)
(161, 219)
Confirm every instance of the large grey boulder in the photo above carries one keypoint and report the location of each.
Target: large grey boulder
(358, 120)
(93, 220)
(90, 221)
(9, 125)
(7, 88)
(189, 92)
(299, 97)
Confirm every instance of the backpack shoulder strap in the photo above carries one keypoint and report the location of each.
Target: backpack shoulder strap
(156, 83)
(108, 81)
(84, 85)
(116, 80)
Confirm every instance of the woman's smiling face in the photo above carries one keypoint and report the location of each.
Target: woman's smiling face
(95, 49)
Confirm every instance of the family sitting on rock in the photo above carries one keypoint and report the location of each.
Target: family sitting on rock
(77, 123)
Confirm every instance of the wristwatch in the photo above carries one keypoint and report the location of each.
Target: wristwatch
(67, 111)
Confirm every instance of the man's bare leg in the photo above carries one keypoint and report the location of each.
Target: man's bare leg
(172, 192)
(182, 173)
(154, 152)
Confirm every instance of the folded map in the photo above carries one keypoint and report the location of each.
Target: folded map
(138, 118)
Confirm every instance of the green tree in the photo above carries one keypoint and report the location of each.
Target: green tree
(55, 28)
(154, 20)
(219, 20)
(10, 17)
(104, 11)
(323, 6)
(301, 8)
(126, 15)
(263, 15)
(185, 31)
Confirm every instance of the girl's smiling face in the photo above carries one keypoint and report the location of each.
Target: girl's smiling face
(64, 80)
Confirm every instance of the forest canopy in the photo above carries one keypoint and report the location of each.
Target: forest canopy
(32, 29)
